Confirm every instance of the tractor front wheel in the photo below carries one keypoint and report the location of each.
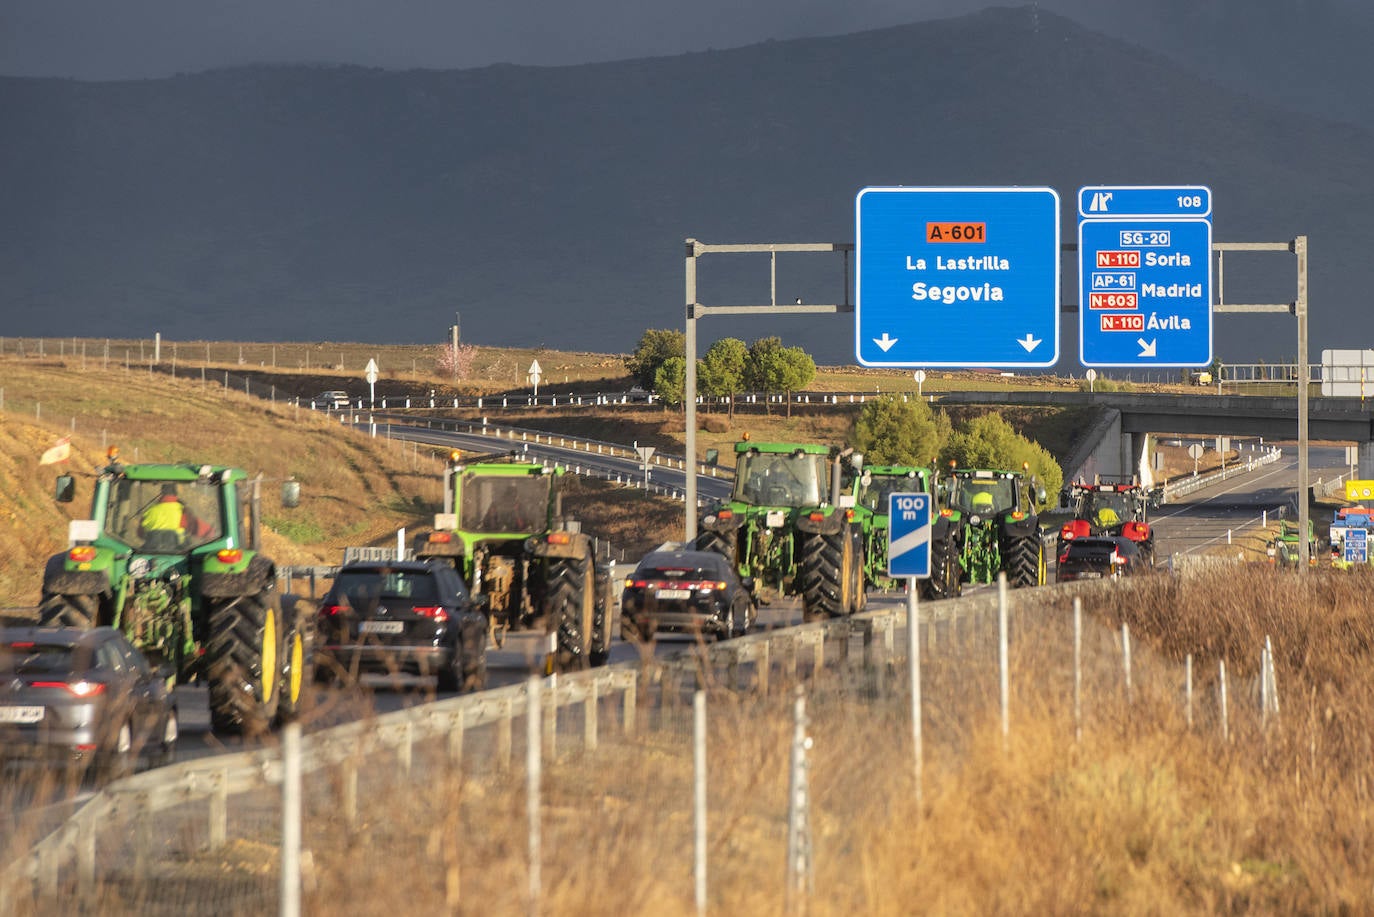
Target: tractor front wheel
(1025, 561)
(297, 668)
(946, 579)
(822, 575)
(70, 611)
(242, 662)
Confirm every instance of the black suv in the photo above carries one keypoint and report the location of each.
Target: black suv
(686, 592)
(1098, 558)
(404, 616)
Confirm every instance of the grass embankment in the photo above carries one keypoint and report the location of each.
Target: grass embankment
(1144, 816)
(355, 490)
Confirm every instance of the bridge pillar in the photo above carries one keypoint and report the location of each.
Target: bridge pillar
(1366, 465)
(1103, 450)
(1142, 452)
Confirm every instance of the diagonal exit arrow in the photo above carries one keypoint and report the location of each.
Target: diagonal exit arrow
(885, 342)
(909, 542)
(1147, 348)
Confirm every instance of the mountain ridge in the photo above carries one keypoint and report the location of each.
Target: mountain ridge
(323, 202)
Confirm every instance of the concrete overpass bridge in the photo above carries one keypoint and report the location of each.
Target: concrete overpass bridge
(1120, 440)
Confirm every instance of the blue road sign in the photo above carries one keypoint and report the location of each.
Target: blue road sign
(956, 277)
(908, 535)
(1145, 276)
(1356, 546)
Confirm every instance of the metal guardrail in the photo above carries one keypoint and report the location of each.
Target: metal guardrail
(1179, 487)
(212, 781)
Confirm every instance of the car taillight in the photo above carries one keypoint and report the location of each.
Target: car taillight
(946, 512)
(229, 555)
(637, 584)
(1117, 559)
(817, 517)
(431, 611)
(559, 538)
(23, 645)
(81, 689)
(440, 538)
(82, 554)
(1018, 515)
(721, 586)
(1066, 532)
(726, 514)
(329, 611)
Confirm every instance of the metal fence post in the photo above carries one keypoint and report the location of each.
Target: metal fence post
(456, 728)
(1126, 656)
(1002, 661)
(290, 902)
(1078, 670)
(628, 713)
(800, 877)
(533, 764)
(1225, 721)
(589, 714)
(219, 809)
(699, 797)
(1188, 688)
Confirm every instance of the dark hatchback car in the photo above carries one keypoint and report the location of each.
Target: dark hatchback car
(413, 617)
(82, 697)
(686, 592)
(1098, 558)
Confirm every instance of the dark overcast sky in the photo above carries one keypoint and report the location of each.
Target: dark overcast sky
(129, 39)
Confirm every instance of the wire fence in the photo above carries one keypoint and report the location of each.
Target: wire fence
(432, 803)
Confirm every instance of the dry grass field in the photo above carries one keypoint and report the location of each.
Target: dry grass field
(355, 490)
(1147, 813)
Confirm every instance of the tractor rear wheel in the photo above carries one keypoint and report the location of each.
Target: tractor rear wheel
(569, 605)
(69, 611)
(946, 579)
(242, 661)
(1024, 561)
(822, 576)
(722, 543)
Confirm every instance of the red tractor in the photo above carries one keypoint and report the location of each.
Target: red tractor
(1110, 507)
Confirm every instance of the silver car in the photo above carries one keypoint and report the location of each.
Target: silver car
(84, 698)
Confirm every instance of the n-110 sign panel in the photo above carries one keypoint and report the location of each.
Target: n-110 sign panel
(957, 277)
(1145, 276)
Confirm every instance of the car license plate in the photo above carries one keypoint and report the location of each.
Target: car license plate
(380, 627)
(674, 594)
(20, 714)
(1089, 574)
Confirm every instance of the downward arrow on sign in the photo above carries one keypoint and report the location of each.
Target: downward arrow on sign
(1147, 348)
(1028, 342)
(885, 342)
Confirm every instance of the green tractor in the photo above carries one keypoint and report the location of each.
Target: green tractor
(503, 529)
(788, 526)
(872, 487)
(996, 514)
(170, 557)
